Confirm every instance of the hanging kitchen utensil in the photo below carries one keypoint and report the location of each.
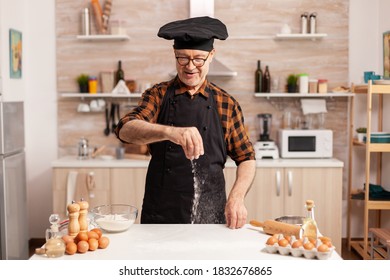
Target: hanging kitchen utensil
(107, 129)
(113, 124)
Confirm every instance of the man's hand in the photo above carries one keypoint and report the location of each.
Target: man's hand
(235, 213)
(190, 139)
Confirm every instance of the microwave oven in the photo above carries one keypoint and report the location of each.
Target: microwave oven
(306, 143)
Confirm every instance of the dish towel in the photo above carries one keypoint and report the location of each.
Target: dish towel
(77, 188)
(70, 188)
(313, 106)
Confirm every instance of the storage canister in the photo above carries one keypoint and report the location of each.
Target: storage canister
(92, 84)
(322, 86)
(313, 86)
(313, 22)
(303, 83)
(304, 18)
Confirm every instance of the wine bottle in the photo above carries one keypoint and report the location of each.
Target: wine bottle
(120, 74)
(258, 78)
(266, 80)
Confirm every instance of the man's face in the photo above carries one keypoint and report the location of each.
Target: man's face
(193, 75)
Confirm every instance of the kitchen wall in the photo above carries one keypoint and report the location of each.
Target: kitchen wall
(148, 59)
(144, 52)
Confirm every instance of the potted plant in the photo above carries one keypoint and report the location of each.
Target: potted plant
(82, 81)
(361, 133)
(292, 83)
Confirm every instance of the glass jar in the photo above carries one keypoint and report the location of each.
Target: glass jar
(313, 86)
(322, 86)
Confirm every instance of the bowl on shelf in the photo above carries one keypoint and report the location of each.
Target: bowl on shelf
(114, 217)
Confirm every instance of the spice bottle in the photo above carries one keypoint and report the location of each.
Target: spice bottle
(309, 227)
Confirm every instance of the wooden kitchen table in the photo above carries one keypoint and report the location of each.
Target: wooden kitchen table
(184, 242)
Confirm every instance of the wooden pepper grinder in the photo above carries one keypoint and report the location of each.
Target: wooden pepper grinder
(74, 212)
(83, 222)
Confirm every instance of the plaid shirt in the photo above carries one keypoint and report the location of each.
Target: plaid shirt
(238, 146)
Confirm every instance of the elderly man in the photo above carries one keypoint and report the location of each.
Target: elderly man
(191, 126)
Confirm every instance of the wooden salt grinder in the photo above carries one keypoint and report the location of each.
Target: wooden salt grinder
(83, 215)
(73, 226)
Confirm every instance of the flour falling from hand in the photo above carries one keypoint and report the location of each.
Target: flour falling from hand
(198, 182)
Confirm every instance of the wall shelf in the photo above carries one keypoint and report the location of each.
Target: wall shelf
(100, 95)
(299, 36)
(107, 37)
(300, 95)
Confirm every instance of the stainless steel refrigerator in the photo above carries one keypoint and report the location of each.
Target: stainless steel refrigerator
(13, 193)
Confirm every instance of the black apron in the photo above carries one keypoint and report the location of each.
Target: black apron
(171, 177)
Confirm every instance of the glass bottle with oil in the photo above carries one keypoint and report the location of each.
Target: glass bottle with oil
(309, 226)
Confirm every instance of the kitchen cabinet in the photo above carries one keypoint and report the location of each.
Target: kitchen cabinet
(281, 191)
(370, 205)
(99, 192)
(128, 186)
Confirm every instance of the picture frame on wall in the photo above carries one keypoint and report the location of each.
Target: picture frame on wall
(386, 55)
(15, 54)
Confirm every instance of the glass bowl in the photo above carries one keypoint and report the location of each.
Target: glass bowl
(114, 217)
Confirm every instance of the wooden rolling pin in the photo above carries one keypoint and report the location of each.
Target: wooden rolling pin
(271, 227)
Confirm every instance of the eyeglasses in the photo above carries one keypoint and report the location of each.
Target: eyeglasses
(198, 62)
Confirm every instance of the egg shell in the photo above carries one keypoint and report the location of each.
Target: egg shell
(272, 240)
(103, 242)
(71, 248)
(82, 246)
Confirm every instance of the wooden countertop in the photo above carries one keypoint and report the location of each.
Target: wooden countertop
(99, 162)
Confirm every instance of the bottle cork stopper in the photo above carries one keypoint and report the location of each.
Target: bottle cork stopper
(309, 204)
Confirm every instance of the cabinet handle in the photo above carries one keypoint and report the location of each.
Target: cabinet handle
(277, 177)
(91, 184)
(289, 182)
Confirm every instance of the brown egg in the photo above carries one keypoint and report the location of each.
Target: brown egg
(288, 238)
(92, 234)
(308, 246)
(329, 244)
(81, 236)
(283, 242)
(98, 231)
(82, 246)
(297, 243)
(272, 240)
(71, 248)
(67, 239)
(313, 240)
(103, 242)
(323, 248)
(93, 244)
(324, 238)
